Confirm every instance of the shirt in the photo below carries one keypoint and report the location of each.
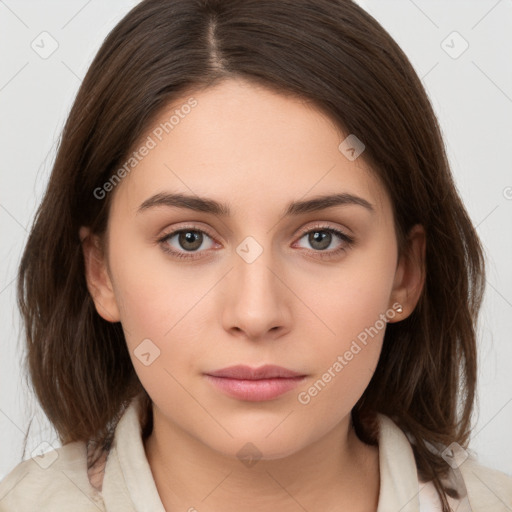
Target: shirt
(58, 480)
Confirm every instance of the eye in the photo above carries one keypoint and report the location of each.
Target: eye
(186, 242)
(321, 237)
(188, 239)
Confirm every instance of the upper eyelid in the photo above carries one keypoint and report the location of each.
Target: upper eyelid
(321, 225)
(318, 224)
(175, 231)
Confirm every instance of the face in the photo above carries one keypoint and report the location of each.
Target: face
(199, 290)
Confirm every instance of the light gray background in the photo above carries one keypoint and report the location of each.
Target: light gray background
(471, 94)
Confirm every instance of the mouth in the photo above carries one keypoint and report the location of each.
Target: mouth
(255, 384)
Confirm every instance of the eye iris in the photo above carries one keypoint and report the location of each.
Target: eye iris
(323, 236)
(190, 237)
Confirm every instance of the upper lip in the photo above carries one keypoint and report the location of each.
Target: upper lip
(243, 372)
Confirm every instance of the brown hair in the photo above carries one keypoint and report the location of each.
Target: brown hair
(328, 51)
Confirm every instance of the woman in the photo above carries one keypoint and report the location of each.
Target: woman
(251, 282)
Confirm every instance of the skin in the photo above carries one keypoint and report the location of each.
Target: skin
(255, 150)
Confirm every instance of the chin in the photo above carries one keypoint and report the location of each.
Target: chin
(251, 444)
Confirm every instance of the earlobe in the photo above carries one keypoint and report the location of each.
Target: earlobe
(98, 280)
(410, 273)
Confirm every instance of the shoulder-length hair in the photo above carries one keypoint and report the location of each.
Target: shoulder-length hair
(332, 53)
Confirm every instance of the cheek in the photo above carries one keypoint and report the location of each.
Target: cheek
(351, 306)
(166, 314)
(350, 296)
(152, 293)
(343, 363)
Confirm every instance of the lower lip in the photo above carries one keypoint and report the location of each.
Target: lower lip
(255, 390)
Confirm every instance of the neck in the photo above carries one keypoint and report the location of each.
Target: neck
(335, 472)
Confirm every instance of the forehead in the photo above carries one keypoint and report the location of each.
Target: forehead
(248, 146)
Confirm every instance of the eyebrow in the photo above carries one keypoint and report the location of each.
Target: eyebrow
(206, 205)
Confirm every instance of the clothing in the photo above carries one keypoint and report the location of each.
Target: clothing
(128, 485)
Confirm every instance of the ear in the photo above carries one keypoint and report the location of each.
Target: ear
(97, 277)
(410, 273)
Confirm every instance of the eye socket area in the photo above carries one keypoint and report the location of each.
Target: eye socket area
(195, 237)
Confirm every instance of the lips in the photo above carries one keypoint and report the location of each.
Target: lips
(255, 384)
(247, 373)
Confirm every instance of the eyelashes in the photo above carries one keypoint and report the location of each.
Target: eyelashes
(346, 241)
(184, 237)
(194, 236)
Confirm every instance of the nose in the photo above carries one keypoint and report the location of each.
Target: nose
(257, 300)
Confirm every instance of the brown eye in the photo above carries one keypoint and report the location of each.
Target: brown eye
(184, 243)
(190, 240)
(320, 238)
